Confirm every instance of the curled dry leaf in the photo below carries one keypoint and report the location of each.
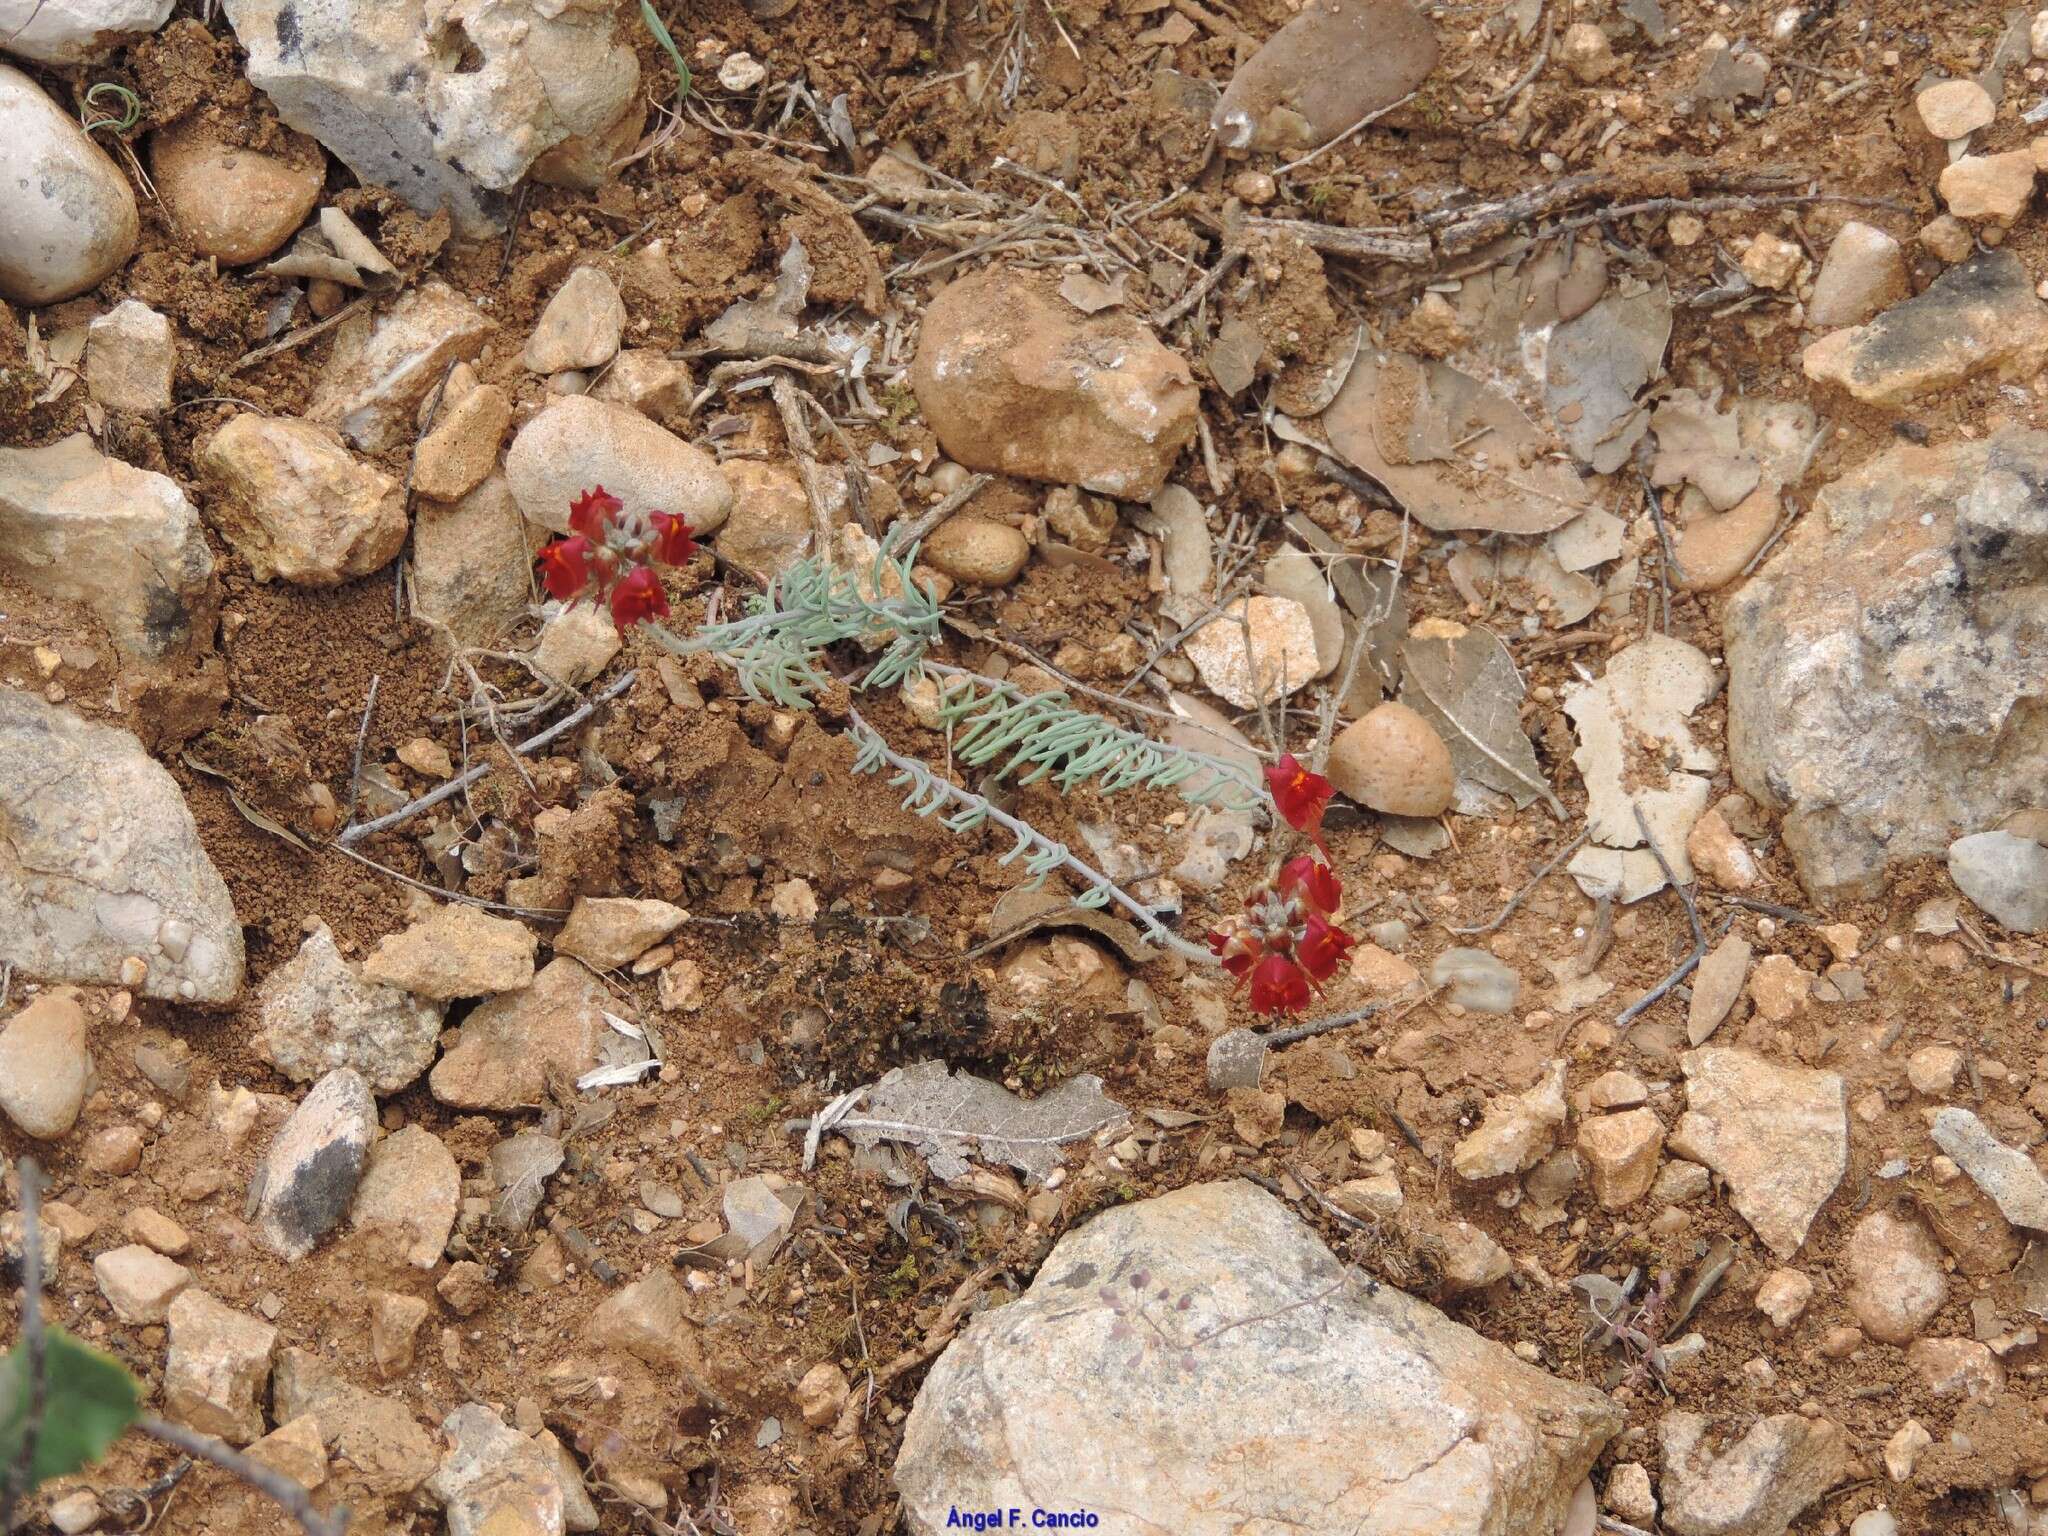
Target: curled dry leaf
(1597, 364)
(1465, 684)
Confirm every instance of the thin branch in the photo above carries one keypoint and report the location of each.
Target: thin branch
(1691, 962)
(1297, 1032)
(299, 337)
(355, 772)
(797, 432)
(1535, 880)
(295, 1500)
(916, 533)
(350, 836)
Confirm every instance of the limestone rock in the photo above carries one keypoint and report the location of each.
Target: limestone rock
(1779, 1136)
(1331, 65)
(455, 951)
(453, 459)
(1955, 109)
(1755, 1487)
(76, 31)
(1620, 1152)
(1881, 665)
(71, 217)
(308, 1175)
(1391, 759)
(822, 1393)
(1014, 380)
(1258, 648)
(139, 1283)
(581, 326)
(296, 1450)
(1446, 1432)
(511, 1044)
(1989, 186)
(576, 644)
(319, 1013)
(1864, 272)
(385, 1451)
(218, 1364)
(1517, 1131)
(109, 874)
(2006, 876)
(491, 1473)
(1717, 985)
(659, 387)
(471, 563)
(298, 506)
(1980, 317)
(1896, 1280)
(411, 1183)
(1783, 1297)
(382, 368)
(606, 932)
(648, 1320)
(130, 355)
(1956, 1368)
(83, 528)
(233, 203)
(1712, 550)
(44, 1067)
(395, 1323)
(446, 111)
(2012, 1179)
(576, 443)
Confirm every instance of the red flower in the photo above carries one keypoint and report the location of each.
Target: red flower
(1322, 948)
(590, 512)
(1236, 950)
(1300, 795)
(1278, 986)
(639, 596)
(1314, 881)
(672, 542)
(565, 567)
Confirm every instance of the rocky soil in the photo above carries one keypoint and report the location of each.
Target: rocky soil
(510, 1079)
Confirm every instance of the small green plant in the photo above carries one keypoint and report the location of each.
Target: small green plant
(660, 30)
(97, 117)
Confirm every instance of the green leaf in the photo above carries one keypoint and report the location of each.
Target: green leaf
(88, 1400)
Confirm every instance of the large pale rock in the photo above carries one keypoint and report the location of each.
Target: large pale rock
(215, 1371)
(1333, 64)
(44, 1067)
(606, 932)
(1864, 272)
(494, 1480)
(233, 203)
(1980, 317)
(2004, 875)
(384, 1448)
(1995, 187)
(1896, 1281)
(1779, 1136)
(581, 326)
(1884, 685)
(448, 106)
(1754, 1487)
(101, 866)
(455, 951)
(1224, 1424)
(1259, 651)
(383, 367)
(1517, 1131)
(471, 563)
(298, 506)
(453, 459)
(76, 31)
(318, 1013)
(1015, 380)
(70, 214)
(576, 443)
(412, 1185)
(139, 1283)
(308, 1175)
(83, 528)
(512, 1045)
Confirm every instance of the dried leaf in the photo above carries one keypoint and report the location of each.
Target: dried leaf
(521, 1167)
(1025, 910)
(1596, 366)
(1467, 687)
(1699, 445)
(338, 251)
(1090, 294)
(946, 1118)
(757, 327)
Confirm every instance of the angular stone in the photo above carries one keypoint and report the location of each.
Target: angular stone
(1994, 187)
(1783, 1297)
(1518, 1130)
(1014, 380)
(1717, 985)
(577, 644)
(71, 217)
(1882, 666)
(130, 355)
(394, 1330)
(214, 1372)
(2003, 875)
(318, 1013)
(648, 1320)
(2012, 1179)
(576, 444)
(382, 368)
(410, 1184)
(298, 506)
(1756, 1487)
(83, 528)
(455, 951)
(511, 1044)
(1977, 318)
(44, 1067)
(659, 387)
(379, 1447)
(309, 1174)
(295, 1450)
(1864, 272)
(1621, 1155)
(108, 874)
(1896, 1280)
(448, 112)
(231, 202)
(1955, 109)
(579, 1513)
(1778, 1135)
(453, 459)
(1447, 1432)
(581, 326)
(822, 1393)
(757, 1215)
(1956, 1368)
(606, 932)
(770, 526)
(139, 1283)
(76, 31)
(490, 1470)
(1260, 649)
(472, 564)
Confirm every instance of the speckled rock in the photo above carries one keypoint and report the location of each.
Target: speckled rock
(1444, 1431)
(770, 526)
(494, 1481)
(76, 31)
(1980, 318)
(217, 1367)
(233, 203)
(384, 365)
(453, 459)
(318, 1013)
(471, 563)
(71, 217)
(1896, 1281)
(1620, 1152)
(306, 1179)
(1392, 760)
(1015, 380)
(130, 358)
(1756, 1486)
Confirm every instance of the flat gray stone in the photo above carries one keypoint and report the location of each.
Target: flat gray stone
(2006, 876)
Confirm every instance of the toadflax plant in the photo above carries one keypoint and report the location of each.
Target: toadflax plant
(1286, 941)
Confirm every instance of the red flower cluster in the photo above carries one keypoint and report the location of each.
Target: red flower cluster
(1285, 941)
(1301, 797)
(609, 551)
